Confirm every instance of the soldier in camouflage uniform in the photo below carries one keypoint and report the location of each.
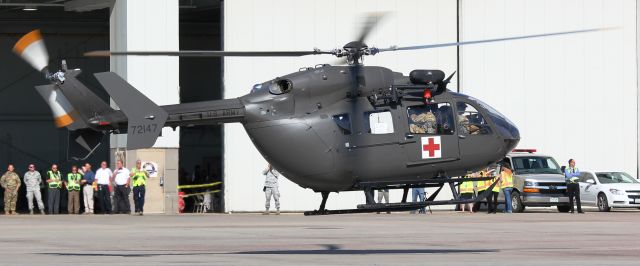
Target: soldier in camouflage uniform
(10, 181)
(33, 180)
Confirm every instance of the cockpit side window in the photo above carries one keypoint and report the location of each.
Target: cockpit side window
(343, 122)
(431, 119)
(470, 121)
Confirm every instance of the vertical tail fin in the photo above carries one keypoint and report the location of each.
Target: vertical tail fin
(145, 118)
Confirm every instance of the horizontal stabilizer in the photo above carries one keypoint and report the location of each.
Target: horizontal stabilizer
(83, 143)
(145, 118)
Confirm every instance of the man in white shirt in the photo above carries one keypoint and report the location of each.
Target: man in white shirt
(121, 176)
(103, 178)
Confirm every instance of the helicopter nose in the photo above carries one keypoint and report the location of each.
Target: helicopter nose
(509, 132)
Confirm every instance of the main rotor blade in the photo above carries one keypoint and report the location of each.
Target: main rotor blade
(372, 20)
(429, 46)
(206, 53)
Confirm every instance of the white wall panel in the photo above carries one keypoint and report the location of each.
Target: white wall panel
(303, 25)
(147, 25)
(570, 96)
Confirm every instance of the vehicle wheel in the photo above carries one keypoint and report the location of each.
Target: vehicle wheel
(564, 208)
(516, 202)
(603, 203)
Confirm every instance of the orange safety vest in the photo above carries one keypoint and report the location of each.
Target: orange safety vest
(507, 179)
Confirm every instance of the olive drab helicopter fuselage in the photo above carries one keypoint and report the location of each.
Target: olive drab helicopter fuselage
(307, 126)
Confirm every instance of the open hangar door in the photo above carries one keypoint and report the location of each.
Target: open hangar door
(27, 131)
(201, 147)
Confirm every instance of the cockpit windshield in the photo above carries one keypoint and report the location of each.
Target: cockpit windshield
(504, 126)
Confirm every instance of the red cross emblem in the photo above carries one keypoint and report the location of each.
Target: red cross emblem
(431, 147)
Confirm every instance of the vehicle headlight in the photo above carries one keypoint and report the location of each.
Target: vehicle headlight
(530, 183)
(616, 191)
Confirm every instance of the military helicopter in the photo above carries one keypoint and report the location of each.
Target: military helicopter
(327, 128)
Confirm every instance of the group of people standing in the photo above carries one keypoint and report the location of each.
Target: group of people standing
(503, 181)
(84, 180)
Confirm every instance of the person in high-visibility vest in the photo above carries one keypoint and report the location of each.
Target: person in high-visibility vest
(73, 186)
(139, 177)
(492, 200)
(481, 186)
(466, 193)
(506, 184)
(572, 175)
(54, 181)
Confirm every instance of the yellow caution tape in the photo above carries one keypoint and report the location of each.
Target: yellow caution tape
(199, 186)
(201, 193)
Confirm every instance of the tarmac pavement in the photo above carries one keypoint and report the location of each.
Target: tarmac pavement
(542, 237)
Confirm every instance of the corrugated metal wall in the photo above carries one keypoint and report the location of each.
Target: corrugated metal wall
(570, 96)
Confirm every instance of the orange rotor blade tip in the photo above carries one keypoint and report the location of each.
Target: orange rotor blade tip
(27, 40)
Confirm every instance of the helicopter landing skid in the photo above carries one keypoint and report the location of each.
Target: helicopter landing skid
(402, 206)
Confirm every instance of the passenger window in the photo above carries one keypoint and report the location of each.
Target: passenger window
(470, 121)
(343, 122)
(379, 122)
(430, 118)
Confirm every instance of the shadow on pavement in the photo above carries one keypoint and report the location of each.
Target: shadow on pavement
(331, 250)
(364, 251)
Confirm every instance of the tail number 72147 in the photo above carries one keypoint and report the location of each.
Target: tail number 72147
(144, 129)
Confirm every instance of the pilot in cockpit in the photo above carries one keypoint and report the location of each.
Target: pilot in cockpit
(464, 125)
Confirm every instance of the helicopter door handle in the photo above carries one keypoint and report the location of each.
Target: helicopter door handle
(408, 136)
(462, 136)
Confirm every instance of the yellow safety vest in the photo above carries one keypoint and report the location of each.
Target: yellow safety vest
(466, 187)
(73, 181)
(483, 185)
(496, 188)
(55, 177)
(139, 177)
(507, 179)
